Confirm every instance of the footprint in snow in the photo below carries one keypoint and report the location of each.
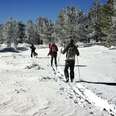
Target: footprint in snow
(34, 66)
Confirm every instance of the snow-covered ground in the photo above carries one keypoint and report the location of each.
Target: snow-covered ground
(29, 86)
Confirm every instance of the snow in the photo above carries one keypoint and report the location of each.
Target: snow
(28, 86)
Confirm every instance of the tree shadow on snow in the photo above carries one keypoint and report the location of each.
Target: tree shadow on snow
(104, 83)
(112, 48)
(80, 65)
(43, 57)
(9, 50)
(22, 48)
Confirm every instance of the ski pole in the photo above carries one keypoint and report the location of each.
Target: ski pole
(78, 68)
(59, 56)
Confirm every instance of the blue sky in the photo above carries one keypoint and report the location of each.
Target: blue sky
(31, 9)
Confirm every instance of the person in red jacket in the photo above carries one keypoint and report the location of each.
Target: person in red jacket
(53, 49)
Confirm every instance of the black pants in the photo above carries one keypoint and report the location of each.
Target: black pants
(69, 64)
(33, 53)
(54, 57)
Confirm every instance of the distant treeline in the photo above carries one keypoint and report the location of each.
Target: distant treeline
(95, 25)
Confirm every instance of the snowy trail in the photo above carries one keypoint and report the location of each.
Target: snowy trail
(91, 98)
(28, 86)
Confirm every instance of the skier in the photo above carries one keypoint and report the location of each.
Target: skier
(33, 53)
(70, 50)
(53, 49)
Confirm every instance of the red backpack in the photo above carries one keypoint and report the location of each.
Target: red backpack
(54, 48)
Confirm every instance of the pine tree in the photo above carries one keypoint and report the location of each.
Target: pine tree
(113, 28)
(1, 34)
(8, 32)
(100, 16)
(69, 24)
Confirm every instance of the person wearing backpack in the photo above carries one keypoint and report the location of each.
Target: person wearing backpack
(53, 52)
(33, 53)
(70, 50)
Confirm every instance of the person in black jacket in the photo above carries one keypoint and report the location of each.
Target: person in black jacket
(33, 53)
(70, 50)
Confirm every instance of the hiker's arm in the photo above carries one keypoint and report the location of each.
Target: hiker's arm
(56, 48)
(65, 50)
(49, 53)
(77, 51)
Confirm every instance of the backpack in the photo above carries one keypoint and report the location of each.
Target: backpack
(71, 53)
(54, 49)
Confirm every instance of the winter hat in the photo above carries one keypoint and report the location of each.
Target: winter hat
(71, 41)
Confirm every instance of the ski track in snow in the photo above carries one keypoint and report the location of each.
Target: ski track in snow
(89, 97)
(19, 86)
